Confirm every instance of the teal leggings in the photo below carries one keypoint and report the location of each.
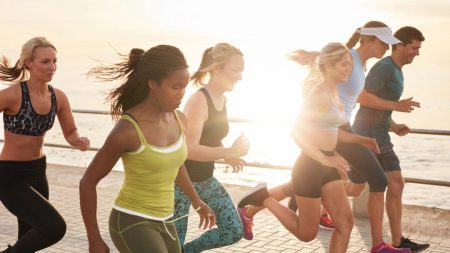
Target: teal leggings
(229, 226)
(134, 234)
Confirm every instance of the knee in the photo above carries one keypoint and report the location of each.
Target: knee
(307, 236)
(55, 230)
(396, 186)
(232, 236)
(344, 224)
(354, 190)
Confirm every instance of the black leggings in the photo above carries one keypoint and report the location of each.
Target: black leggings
(364, 166)
(24, 192)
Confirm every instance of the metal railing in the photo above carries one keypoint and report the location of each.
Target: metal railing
(274, 166)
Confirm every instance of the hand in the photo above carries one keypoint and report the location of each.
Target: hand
(240, 146)
(207, 216)
(98, 246)
(406, 105)
(82, 143)
(236, 163)
(370, 143)
(338, 162)
(400, 129)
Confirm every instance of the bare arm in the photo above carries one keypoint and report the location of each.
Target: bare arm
(67, 122)
(196, 111)
(370, 100)
(367, 142)
(207, 217)
(314, 103)
(115, 145)
(9, 99)
(399, 129)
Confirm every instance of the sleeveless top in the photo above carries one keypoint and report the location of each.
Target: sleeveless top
(350, 90)
(214, 130)
(150, 172)
(27, 121)
(330, 120)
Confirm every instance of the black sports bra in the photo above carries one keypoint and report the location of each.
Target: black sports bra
(27, 121)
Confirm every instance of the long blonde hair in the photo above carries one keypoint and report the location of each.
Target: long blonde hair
(214, 58)
(316, 61)
(19, 71)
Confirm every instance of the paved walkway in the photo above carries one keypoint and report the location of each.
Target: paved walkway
(431, 225)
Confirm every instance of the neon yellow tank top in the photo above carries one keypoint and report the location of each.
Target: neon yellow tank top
(150, 172)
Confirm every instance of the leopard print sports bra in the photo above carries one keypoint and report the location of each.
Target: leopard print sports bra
(27, 121)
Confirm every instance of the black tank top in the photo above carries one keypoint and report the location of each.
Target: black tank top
(27, 121)
(215, 129)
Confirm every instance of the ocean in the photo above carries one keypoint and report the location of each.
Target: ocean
(85, 32)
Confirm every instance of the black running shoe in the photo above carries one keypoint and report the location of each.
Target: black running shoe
(255, 196)
(415, 247)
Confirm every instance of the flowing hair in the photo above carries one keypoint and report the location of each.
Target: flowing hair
(315, 62)
(19, 71)
(135, 71)
(214, 58)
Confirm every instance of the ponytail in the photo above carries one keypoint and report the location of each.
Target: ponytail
(198, 76)
(310, 60)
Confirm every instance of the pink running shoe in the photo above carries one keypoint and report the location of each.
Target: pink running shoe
(326, 222)
(247, 223)
(388, 248)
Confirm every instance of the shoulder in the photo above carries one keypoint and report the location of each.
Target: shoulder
(384, 65)
(198, 98)
(10, 94)
(318, 98)
(197, 104)
(61, 97)
(181, 116)
(11, 90)
(123, 134)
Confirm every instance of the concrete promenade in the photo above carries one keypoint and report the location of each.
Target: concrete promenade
(420, 224)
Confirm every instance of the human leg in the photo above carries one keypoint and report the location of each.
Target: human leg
(365, 167)
(31, 208)
(24, 192)
(394, 204)
(229, 226)
(335, 201)
(135, 234)
(247, 213)
(278, 193)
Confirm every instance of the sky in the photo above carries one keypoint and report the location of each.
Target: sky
(85, 31)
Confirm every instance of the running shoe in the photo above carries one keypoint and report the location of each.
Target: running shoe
(415, 247)
(388, 248)
(255, 196)
(247, 223)
(326, 222)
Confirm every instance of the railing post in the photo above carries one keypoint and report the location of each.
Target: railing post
(359, 204)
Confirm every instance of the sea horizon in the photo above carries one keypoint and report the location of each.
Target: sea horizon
(86, 32)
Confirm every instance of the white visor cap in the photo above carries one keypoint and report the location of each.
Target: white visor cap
(382, 33)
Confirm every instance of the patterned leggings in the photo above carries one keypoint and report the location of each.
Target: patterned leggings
(229, 226)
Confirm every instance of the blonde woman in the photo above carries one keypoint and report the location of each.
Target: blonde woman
(316, 175)
(29, 109)
(207, 125)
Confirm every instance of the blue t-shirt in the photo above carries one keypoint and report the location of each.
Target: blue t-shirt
(350, 90)
(385, 80)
